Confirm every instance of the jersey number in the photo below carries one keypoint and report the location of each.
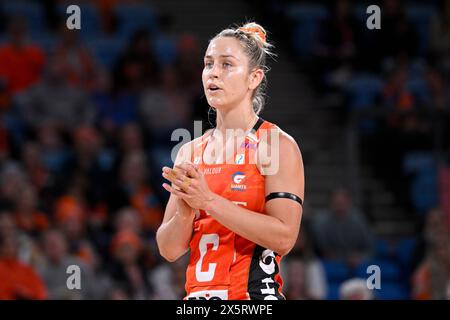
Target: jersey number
(203, 276)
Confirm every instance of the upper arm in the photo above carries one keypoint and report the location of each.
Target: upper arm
(184, 154)
(286, 174)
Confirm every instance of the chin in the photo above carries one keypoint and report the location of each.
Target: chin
(216, 104)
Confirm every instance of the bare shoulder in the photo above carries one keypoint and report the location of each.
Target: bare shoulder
(288, 146)
(281, 140)
(278, 148)
(187, 149)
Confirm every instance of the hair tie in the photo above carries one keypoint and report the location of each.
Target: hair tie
(256, 30)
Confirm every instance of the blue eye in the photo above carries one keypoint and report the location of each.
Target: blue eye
(208, 64)
(226, 64)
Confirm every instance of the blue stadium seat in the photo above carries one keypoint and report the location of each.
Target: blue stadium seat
(307, 18)
(305, 11)
(336, 270)
(405, 251)
(424, 190)
(363, 90)
(333, 291)
(416, 161)
(136, 16)
(31, 11)
(418, 87)
(46, 42)
(383, 249)
(420, 16)
(391, 291)
(106, 50)
(165, 50)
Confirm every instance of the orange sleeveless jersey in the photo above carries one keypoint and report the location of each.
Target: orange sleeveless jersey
(224, 265)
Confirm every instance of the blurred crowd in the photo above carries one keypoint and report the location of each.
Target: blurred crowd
(83, 136)
(393, 86)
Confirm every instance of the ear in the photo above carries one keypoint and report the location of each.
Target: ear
(255, 78)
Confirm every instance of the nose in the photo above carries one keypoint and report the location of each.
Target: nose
(214, 71)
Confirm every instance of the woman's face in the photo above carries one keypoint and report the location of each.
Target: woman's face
(226, 78)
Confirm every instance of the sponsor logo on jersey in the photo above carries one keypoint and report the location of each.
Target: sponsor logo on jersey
(248, 145)
(212, 170)
(238, 179)
(240, 158)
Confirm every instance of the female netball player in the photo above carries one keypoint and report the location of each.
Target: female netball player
(236, 208)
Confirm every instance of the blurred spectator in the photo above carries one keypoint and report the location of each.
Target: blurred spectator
(168, 280)
(91, 164)
(108, 18)
(28, 217)
(440, 37)
(133, 190)
(31, 158)
(17, 280)
(397, 35)
(54, 101)
(71, 216)
(130, 139)
(166, 107)
(188, 62)
(114, 109)
(54, 270)
(435, 226)
(54, 153)
(27, 249)
(128, 219)
(342, 231)
(127, 270)
(338, 46)
(429, 280)
(21, 63)
(439, 97)
(12, 182)
(136, 68)
(432, 278)
(304, 274)
(75, 60)
(396, 95)
(355, 289)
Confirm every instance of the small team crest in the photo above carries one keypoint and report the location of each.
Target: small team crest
(196, 160)
(238, 179)
(239, 159)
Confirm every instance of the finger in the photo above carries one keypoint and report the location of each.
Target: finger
(180, 181)
(166, 169)
(189, 168)
(176, 192)
(172, 172)
(186, 183)
(177, 181)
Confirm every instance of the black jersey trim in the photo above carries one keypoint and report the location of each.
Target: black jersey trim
(257, 124)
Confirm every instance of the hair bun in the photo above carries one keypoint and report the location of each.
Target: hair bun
(254, 29)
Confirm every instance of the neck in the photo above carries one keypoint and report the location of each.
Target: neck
(242, 117)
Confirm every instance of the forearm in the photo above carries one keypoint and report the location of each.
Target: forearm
(173, 237)
(264, 230)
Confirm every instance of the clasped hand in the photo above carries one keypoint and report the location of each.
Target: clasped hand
(189, 184)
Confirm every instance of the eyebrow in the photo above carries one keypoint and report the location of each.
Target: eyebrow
(222, 56)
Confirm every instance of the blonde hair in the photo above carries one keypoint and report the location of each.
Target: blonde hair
(253, 38)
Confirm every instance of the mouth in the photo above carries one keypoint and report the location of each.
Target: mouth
(213, 88)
